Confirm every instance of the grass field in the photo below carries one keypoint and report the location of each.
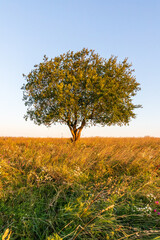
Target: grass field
(99, 188)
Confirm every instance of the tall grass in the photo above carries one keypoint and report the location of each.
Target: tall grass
(99, 188)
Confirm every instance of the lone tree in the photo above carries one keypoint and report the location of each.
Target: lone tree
(80, 89)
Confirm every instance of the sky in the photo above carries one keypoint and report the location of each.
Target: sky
(34, 28)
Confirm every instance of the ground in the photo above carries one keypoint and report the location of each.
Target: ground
(99, 188)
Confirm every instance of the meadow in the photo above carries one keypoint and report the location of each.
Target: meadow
(98, 188)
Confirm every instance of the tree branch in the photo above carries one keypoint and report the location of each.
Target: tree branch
(75, 122)
(82, 124)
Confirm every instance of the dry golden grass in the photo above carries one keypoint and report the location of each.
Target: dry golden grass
(75, 183)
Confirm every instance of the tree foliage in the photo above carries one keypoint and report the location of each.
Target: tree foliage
(80, 88)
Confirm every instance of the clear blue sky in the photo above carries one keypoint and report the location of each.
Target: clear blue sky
(124, 28)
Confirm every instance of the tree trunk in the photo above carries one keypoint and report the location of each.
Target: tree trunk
(76, 132)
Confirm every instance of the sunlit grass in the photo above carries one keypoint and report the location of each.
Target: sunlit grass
(99, 188)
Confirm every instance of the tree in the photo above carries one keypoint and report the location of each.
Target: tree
(80, 89)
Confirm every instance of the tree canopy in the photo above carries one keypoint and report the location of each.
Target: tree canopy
(80, 89)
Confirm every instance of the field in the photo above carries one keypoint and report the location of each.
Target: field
(99, 188)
